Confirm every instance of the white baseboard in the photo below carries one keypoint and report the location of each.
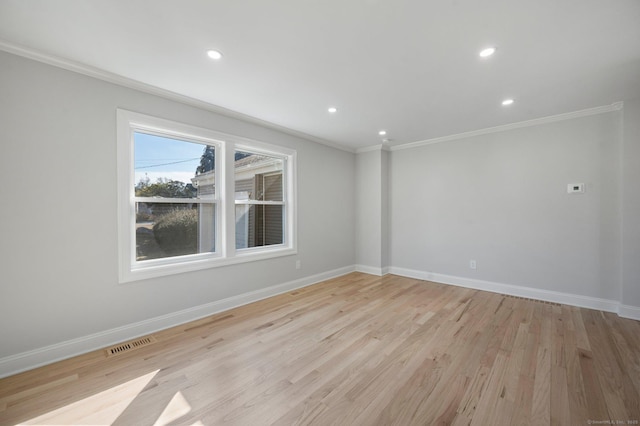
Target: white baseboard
(373, 270)
(631, 312)
(514, 290)
(46, 355)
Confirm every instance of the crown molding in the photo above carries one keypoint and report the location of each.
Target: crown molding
(616, 106)
(379, 147)
(109, 77)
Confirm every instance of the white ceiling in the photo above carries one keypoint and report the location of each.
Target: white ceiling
(410, 67)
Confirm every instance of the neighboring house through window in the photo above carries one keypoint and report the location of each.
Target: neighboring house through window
(259, 200)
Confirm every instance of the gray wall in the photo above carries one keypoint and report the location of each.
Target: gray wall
(368, 200)
(58, 222)
(631, 205)
(372, 230)
(501, 199)
(384, 210)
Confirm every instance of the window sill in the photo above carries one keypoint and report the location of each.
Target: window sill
(198, 263)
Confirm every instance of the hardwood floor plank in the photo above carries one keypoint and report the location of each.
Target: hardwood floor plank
(575, 384)
(610, 369)
(359, 350)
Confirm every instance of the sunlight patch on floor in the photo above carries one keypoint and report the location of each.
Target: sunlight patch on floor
(102, 408)
(176, 408)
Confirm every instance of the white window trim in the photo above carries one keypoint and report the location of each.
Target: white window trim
(129, 122)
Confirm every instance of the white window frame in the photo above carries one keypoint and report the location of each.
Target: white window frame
(225, 145)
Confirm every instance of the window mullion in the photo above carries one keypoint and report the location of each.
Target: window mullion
(228, 204)
(165, 200)
(260, 202)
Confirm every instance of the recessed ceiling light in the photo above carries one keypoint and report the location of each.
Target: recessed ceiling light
(332, 109)
(214, 54)
(487, 52)
(382, 132)
(507, 102)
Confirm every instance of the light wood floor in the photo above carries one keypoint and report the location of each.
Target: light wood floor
(357, 350)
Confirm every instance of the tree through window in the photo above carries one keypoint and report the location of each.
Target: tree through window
(172, 218)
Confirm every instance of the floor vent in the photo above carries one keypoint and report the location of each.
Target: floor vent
(129, 346)
(533, 300)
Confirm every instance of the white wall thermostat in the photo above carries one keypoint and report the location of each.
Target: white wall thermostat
(575, 188)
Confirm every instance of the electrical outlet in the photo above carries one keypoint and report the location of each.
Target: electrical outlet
(298, 264)
(575, 188)
(473, 264)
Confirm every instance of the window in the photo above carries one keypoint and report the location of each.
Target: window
(183, 191)
(174, 217)
(259, 199)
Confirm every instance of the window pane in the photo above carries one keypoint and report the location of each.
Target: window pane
(173, 168)
(171, 229)
(258, 176)
(258, 225)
